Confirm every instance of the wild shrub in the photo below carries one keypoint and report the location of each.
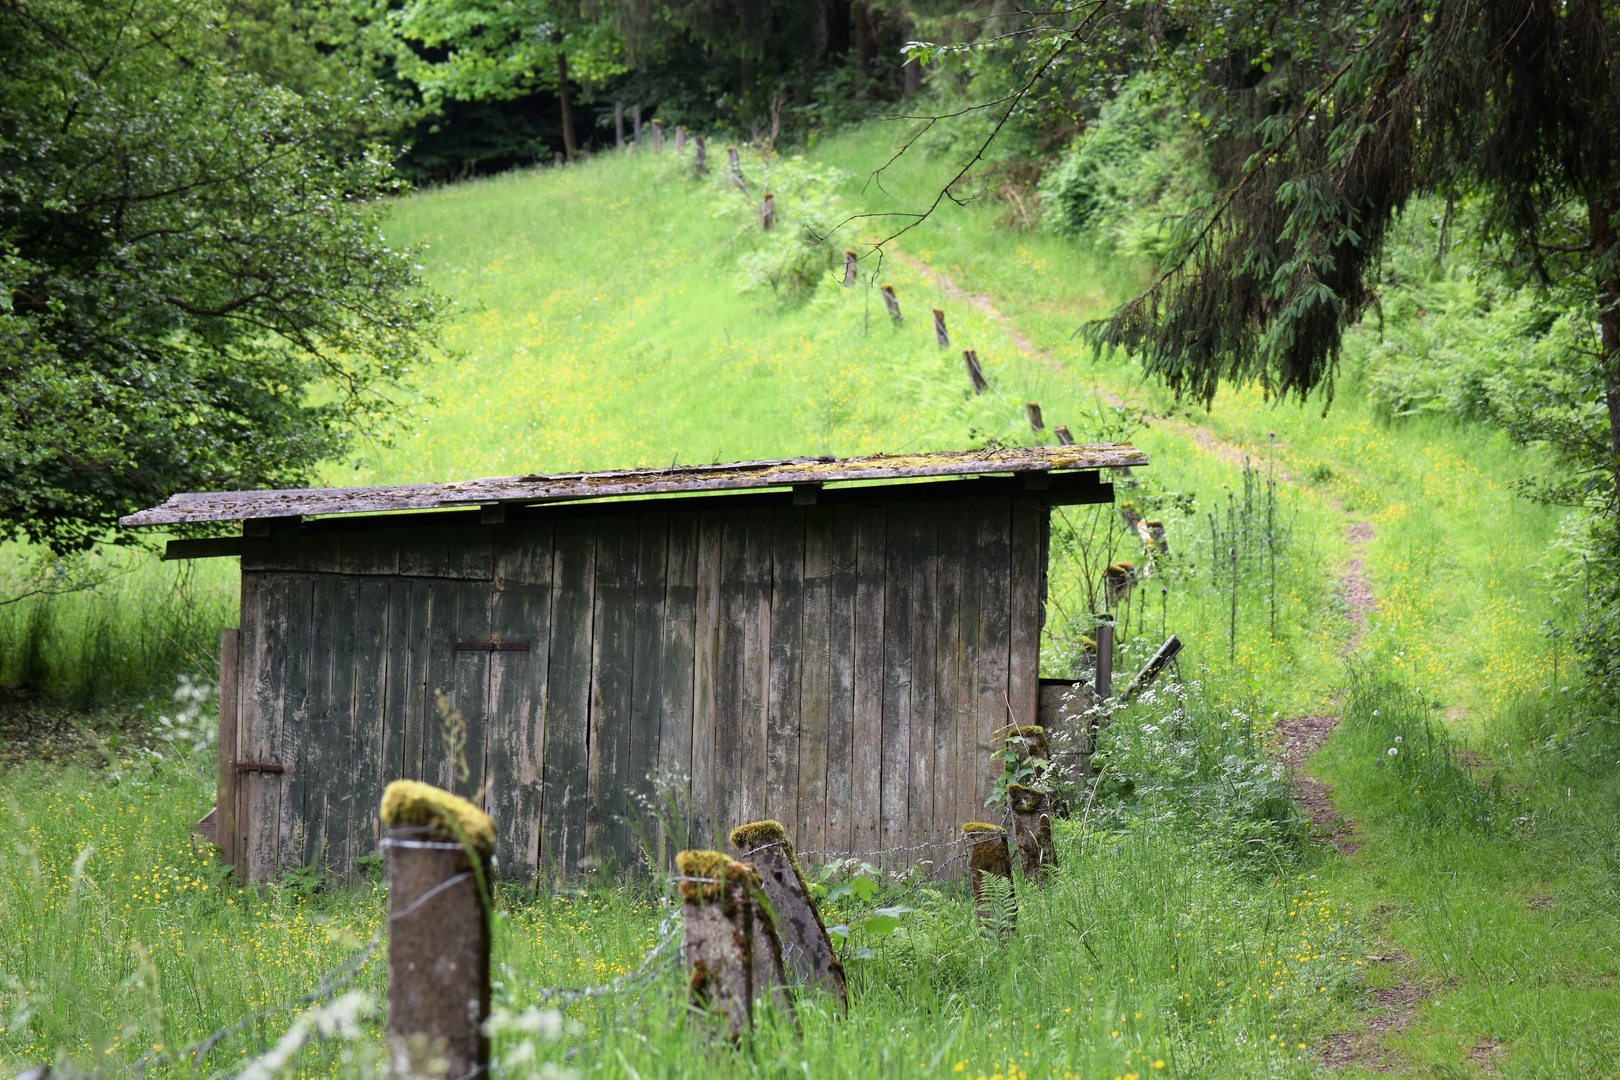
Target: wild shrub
(1423, 771)
(1130, 176)
(1177, 755)
(790, 259)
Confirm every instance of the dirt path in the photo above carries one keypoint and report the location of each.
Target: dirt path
(1298, 737)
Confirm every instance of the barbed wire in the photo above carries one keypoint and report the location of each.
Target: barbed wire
(882, 852)
(646, 972)
(652, 965)
(330, 982)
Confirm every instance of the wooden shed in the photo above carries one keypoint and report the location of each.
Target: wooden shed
(831, 643)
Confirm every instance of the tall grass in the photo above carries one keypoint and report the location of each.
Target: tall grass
(1420, 771)
(1145, 955)
(146, 622)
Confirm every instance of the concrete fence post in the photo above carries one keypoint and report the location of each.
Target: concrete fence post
(1032, 831)
(1103, 683)
(807, 949)
(439, 848)
(733, 957)
(988, 858)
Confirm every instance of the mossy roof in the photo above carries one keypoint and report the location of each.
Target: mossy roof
(557, 487)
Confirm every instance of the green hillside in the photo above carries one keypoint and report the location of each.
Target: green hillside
(1195, 931)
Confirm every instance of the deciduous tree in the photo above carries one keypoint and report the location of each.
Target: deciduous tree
(198, 294)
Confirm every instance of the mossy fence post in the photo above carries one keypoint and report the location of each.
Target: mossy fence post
(988, 858)
(732, 954)
(438, 849)
(1032, 831)
(807, 950)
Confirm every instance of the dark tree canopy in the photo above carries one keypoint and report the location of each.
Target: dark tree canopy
(199, 296)
(1353, 111)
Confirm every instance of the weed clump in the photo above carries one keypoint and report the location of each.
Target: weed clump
(1431, 781)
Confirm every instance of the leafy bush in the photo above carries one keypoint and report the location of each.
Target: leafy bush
(1176, 755)
(790, 259)
(1133, 173)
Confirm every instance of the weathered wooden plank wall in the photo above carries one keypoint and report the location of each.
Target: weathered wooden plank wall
(839, 667)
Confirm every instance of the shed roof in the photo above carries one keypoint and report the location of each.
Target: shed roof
(558, 487)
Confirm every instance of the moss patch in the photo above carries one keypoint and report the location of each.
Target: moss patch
(445, 816)
(716, 868)
(758, 834)
(1025, 799)
(981, 827)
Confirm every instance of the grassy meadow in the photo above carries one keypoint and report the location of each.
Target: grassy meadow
(1194, 931)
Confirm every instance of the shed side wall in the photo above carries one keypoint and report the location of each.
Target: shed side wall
(841, 668)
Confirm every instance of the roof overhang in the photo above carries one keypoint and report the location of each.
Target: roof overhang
(812, 472)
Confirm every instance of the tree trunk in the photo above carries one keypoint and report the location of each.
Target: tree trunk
(861, 16)
(1601, 223)
(567, 110)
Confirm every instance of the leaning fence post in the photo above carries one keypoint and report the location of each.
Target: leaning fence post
(891, 301)
(806, 947)
(700, 156)
(1063, 436)
(438, 847)
(730, 946)
(850, 269)
(940, 336)
(975, 372)
(1032, 413)
(988, 857)
(736, 170)
(1032, 831)
(767, 212)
